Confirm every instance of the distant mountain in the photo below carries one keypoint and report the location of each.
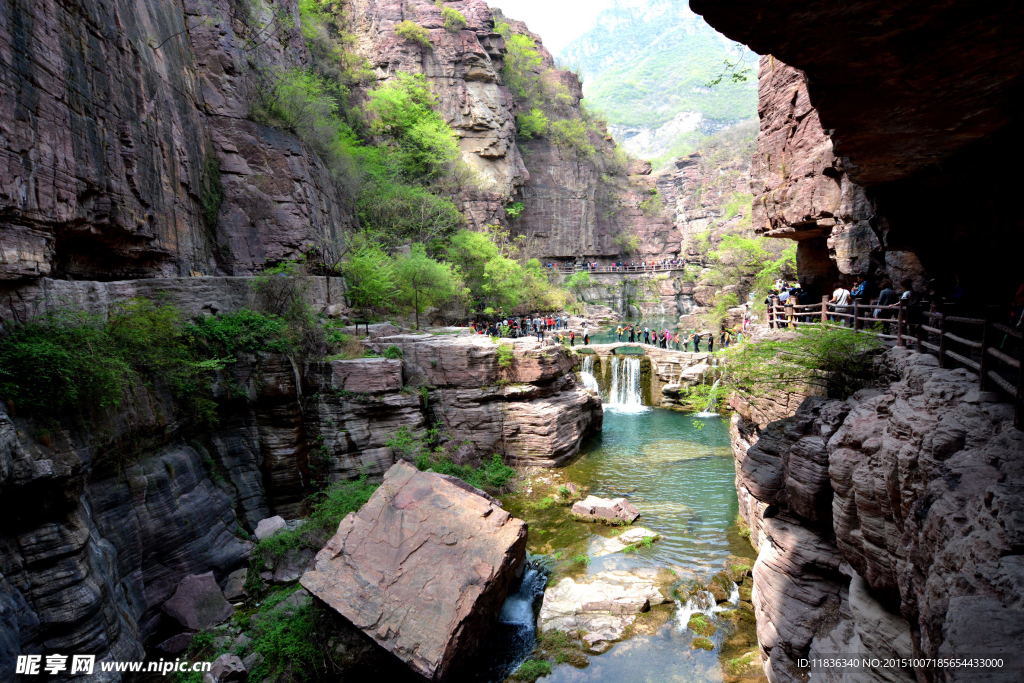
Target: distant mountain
(646, 64)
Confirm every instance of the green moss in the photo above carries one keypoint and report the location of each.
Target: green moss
(701, 625)
(703, 644)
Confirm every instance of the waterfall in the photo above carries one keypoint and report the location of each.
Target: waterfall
(708, 412)
(703, 602)
(515, 635)
(587, 373)
(625, 394)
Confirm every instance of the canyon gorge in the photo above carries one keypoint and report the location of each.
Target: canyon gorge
(447, 504)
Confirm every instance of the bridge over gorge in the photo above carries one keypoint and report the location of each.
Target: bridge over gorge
(991, 350)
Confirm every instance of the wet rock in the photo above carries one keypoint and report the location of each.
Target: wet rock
(610, 510)
(234, 588)
(600, 607)
(226, 669)
(422, 569)
(632, 537)
(198, 603)
(269, 527)
(176, 644)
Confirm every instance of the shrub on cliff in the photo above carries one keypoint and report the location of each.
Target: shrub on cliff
(69, 361)
(835, 360)
(413, 32)
(453, 19)
(534, 124)
(404, 113)
(573, 135)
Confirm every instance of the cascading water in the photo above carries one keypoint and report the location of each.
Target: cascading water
(587, 373)
(625, 395)
(703, 602)
(515, 636)
(708, 412)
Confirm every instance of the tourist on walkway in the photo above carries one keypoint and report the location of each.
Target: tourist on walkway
(677, 341)
(841, 299)
(632, 333)
(572, 338)
(647, 335)
(586, 338)
(887, 297)
(618, 331)
(696, 343)
(711, 342)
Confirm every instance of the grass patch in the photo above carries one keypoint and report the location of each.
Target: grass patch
(329, 507)
(582, 559)
(531, 670)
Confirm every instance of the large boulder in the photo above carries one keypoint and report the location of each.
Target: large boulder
(422, 569)
(611, 510)
(269, 527)
(601, 607)
(198, 603)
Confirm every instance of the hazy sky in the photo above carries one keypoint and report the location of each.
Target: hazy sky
(558, 22)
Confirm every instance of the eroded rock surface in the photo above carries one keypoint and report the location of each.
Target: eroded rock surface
(423, 568)
(885, 522)
(600, 607)
(610, 510)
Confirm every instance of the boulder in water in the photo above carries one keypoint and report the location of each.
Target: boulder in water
(600, 608)
(423, 568)
(610, 510)
(633, 537)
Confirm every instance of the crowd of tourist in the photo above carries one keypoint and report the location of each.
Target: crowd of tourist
(620, 266)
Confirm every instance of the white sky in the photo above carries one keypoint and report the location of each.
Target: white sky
(558, 22)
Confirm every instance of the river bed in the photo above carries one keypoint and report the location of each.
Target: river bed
(677, 470)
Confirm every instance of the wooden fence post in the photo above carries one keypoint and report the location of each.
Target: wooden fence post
(1019, 403)
(920, 336)
(824, 308)
(983, 365)
(942, 337)
(900, 325)
(790, 318)
(856, 315)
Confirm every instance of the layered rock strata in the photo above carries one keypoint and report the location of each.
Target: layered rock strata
(103, 523)
(385, 559)
(885, 524)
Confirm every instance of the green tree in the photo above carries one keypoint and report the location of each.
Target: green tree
(370, 277)
(577, 282)
(493, 279)
(424, 282)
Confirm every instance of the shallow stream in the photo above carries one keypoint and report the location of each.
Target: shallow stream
(678, 471)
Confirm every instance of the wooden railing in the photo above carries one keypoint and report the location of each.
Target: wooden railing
(618, 269)
(979, 344)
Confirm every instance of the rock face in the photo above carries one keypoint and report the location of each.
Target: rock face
(611, 510)
(919, 152)
(124, 531)
(423, 569)
(883, 522)
(600, 607)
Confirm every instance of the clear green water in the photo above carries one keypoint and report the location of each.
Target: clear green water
(678, 471)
